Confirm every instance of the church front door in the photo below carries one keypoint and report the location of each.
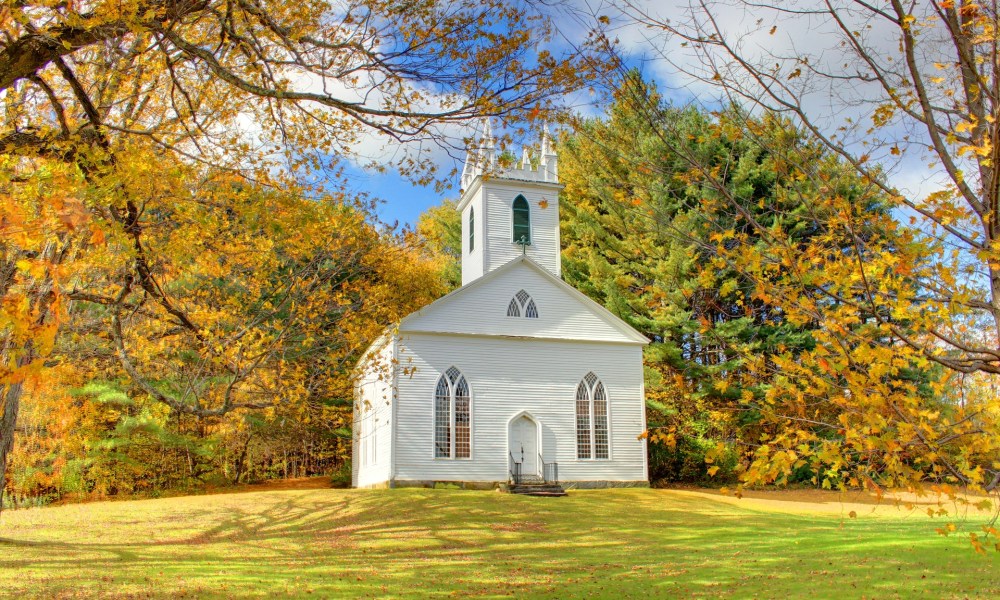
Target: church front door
(524, 444)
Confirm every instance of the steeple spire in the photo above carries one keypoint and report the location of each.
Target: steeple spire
(487, 132)
(484, 158)
(546, 141)
(549, 163)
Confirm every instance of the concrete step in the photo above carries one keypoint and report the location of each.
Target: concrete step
(538, 489)
(543, 494)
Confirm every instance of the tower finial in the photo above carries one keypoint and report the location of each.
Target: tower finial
(486, 158)
(549, 161)
(487, 139)
(468, 170)
(546, 140)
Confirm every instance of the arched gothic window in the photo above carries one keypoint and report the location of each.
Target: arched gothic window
(472, 229)
(452, 416)
(591, 418)
(522, 304)
(522, 221)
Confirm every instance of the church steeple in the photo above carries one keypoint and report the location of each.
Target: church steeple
(509, 207)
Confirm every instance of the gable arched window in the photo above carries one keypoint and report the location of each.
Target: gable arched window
(591, 418)
(522, 221)
(452, 416)
(522, 304)
(472, 229)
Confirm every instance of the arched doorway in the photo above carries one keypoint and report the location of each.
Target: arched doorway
(523, 444)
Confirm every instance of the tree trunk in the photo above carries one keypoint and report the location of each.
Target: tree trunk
(11, 395)
(241, 461)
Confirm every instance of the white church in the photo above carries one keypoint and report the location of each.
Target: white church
(515, 377)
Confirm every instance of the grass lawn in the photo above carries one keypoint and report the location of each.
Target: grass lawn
(432, 543)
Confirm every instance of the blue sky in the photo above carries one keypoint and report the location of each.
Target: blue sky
(400, 200)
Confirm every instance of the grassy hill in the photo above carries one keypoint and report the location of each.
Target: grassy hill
(428, 543)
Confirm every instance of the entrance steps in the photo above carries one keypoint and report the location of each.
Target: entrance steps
(538, 488)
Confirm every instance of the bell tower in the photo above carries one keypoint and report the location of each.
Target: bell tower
(509, 208)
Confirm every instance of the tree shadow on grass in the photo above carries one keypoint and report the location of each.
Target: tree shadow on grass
(420, 543)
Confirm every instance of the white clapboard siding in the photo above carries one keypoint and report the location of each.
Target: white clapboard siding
(508, 377)
(473, 262)
(544, 248)
(481, 308)
(372, 428)
(493, 202)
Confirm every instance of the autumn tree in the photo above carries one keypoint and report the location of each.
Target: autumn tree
(899, 87)
(440, 227)
(107, 104)
(635, 238)
(287, 292)
(642, 231)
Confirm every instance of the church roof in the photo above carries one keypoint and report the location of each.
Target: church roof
(614, 330)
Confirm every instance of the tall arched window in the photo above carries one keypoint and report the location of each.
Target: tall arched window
(522, 221)
(472, 229)
(452, 416)
(591, 418)
(522, 304)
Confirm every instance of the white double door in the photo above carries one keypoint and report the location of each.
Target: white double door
(523, 439)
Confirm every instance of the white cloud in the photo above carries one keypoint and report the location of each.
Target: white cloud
(797, 41)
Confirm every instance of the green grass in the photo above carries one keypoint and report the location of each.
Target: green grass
(432, 543)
